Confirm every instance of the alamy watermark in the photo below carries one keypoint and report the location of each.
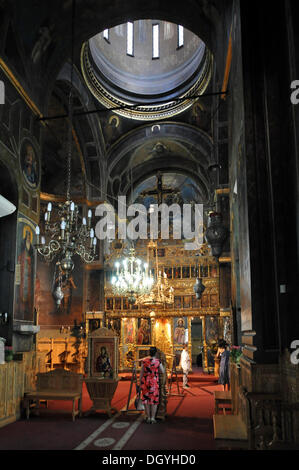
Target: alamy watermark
(294, 357)
(2, 92)
(137, 222)
(295, 94)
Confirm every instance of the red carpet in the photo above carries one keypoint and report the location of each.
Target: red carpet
(188, 424)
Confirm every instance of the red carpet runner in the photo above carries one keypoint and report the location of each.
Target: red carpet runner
(188, 425)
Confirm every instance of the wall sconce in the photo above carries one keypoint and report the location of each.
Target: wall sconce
(3, 318)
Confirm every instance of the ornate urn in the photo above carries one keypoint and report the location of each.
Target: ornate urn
(216, 233)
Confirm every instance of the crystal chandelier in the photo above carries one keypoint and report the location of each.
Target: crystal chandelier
(132, 277)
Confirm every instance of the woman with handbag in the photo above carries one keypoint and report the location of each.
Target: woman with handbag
(149, 384)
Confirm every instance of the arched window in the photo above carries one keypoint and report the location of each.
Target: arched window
(130, 38)
(180, 36)
(106, 34)
(156, 49)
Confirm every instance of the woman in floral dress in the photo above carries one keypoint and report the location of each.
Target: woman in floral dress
(149, 384)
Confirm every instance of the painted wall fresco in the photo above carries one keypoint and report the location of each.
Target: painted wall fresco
(25, 270)
(29, 165)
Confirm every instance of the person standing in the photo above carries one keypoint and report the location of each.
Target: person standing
(149, 384)
(185, 364)
(224, 354)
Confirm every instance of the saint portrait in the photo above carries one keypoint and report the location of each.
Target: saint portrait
(29, 164)
(103, 364)
(144, 331)
(103, 357)
(128, 331)
(180, 326)
(25, 273)
(112, 130)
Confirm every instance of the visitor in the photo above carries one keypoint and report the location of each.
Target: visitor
(149, 384)
(185, 364)
(223, 354)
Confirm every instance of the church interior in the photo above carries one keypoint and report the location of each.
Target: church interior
(110, 110)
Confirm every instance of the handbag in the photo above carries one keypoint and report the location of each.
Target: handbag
(138, 402)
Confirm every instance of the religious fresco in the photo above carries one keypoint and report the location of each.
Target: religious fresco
(112, 129)
(144, 331)
(25, 271)
(29, 164)
(180, 327)
(176, 188)
(71, 306)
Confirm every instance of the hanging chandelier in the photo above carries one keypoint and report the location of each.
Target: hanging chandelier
(161, 293)
(66, 236)
(67, 233)
(132, 277)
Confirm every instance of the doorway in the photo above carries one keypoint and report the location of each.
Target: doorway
(197, 342)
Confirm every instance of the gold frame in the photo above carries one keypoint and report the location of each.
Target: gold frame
(99, 337)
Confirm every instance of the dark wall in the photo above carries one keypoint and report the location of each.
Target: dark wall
(263, 160)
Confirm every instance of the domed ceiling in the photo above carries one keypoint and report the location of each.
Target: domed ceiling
(146, 69)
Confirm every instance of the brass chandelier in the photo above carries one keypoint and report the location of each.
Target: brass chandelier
(161, 293)
(67, 233)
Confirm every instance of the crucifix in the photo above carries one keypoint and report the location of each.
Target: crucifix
(159, 190)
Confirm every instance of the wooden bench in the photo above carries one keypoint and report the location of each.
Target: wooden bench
(58, 384)
(233, 431)
(222, 398)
